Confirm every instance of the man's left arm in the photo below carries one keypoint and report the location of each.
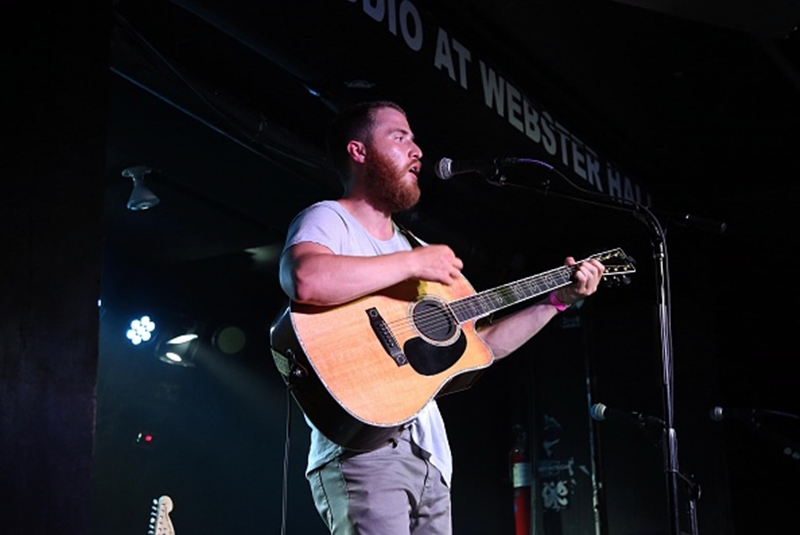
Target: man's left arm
(511, 332)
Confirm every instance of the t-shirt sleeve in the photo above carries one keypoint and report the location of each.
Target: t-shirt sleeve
(318, 224)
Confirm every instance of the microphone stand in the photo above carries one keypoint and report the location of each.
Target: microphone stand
(661, 258)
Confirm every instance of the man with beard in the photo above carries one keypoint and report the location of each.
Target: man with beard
(339, 251)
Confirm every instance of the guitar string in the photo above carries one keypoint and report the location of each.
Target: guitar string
(494, 299)
(442, 318)
(530, 287)
(436, 319)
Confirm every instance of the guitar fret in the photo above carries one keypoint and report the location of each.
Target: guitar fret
(465, 309)
(484, 303)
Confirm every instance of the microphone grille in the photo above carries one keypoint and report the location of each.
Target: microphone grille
(597, 412)
(443, 168)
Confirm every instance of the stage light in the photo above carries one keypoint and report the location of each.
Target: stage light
(141, 330)
(179, 350)
(171, 357)
(182, 339)
(229, 339)
(141, 197)
(145, 439)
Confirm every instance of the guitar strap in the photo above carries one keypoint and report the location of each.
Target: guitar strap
(413, 240)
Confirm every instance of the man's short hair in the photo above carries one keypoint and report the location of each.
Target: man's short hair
(355, 122)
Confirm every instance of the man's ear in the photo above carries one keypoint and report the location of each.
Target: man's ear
(357, 151)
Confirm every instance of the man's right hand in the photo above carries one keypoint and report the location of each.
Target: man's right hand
(436, 263)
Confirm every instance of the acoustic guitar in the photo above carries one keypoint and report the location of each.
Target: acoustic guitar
(361, 370)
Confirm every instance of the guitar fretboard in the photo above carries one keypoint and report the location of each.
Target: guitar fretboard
(484, 303)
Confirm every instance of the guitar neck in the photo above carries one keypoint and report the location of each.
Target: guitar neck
(484, 303)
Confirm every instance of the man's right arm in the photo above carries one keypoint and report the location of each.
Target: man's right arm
(312, 274)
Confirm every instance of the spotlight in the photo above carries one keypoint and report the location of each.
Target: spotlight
(182, 339)
(176, 359)
(141, 197)
(179, 350)
(141, 330)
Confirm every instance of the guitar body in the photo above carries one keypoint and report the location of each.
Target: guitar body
(361, 370)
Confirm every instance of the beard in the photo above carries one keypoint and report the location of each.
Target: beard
(386, 184)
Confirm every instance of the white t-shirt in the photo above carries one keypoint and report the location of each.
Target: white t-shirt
(328, 224)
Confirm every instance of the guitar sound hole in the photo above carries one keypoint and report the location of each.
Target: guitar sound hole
(434, 321)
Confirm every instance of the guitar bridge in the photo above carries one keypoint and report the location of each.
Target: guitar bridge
(385, 336)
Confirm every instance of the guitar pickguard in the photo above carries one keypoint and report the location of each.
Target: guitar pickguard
(429, 359)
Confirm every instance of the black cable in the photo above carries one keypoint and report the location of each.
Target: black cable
(162, 61)
(285, 490)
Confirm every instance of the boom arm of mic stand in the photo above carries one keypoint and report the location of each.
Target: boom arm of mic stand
(643, 214)
(682, 219)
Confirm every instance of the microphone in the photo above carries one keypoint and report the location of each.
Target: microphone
(749, 415)
(447, 168)
(719, 414)
(600, 412)
(698, 223)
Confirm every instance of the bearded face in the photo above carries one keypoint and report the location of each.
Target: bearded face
(388, 185)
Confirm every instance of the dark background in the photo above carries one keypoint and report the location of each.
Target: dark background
(226, 103)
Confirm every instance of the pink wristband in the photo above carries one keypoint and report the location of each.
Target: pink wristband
(556, 302)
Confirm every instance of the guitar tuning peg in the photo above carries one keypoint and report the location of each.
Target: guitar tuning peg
(615, 281)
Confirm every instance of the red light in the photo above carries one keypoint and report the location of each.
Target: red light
(145, 439)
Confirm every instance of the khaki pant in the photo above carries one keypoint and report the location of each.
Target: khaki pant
(389, 491)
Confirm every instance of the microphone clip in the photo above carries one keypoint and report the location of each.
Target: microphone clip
(497, 179)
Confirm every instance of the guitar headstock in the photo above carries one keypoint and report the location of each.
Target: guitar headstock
(618, 266)
(160, 523)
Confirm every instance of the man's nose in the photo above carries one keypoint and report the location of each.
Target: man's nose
(416, 152)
